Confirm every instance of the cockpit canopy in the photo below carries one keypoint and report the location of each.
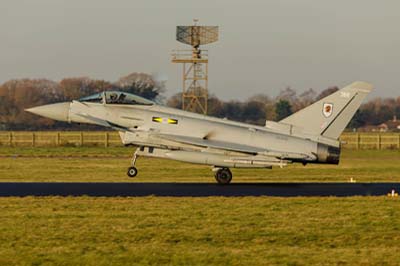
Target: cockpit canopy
(117, 97)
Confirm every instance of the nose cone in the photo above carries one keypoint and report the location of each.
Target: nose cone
(57, 111)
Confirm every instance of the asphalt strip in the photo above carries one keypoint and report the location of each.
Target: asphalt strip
(22, 189)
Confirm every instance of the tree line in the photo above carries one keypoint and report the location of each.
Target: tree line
(19, 94)
(261, 107)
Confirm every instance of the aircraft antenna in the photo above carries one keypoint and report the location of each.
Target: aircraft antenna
(194, 64)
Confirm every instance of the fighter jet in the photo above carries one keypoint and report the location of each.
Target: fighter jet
(308, 136)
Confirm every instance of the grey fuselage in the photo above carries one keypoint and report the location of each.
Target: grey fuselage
(145, 123)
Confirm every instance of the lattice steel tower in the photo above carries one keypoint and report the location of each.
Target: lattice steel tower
(195, 65)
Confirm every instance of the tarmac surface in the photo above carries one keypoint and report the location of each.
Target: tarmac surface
(196, 189)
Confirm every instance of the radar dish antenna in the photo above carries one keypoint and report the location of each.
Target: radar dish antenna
(196, 35)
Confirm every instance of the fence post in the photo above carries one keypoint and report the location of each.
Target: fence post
(81, 139)
(10, 138)
(398, 142)
(33, 139)
(378, 144)
(358, 141)
(106, 139)
(57, 138)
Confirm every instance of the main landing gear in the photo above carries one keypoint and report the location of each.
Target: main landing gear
(132, 171)
(223, 176)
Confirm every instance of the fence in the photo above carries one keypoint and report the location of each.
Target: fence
(112, 139)
(374, 141)
(60, 138)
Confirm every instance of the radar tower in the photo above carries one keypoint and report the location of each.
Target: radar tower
(194, 65)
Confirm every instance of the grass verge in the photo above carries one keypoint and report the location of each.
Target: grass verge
(110, 165)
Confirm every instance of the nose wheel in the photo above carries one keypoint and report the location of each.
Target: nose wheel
(223, 176)
(132, 171)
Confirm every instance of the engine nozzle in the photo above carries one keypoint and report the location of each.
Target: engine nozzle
(328, 154)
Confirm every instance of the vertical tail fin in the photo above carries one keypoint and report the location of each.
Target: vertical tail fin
(330, 116)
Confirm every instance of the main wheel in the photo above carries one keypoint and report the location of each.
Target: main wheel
(132, 171)
(223, 176)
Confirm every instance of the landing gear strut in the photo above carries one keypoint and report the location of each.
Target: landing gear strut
(223, 176)
(132, 171)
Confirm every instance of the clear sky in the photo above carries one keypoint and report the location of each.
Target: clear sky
(264, 45)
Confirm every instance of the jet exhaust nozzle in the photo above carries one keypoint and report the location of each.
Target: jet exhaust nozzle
(328, 154)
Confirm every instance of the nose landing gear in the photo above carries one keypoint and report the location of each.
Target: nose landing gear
(132, 171)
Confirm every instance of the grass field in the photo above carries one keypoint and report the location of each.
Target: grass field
(199, 231)
(110, 165)
(194, 231)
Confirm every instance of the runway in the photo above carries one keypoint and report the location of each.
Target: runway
(196, 189)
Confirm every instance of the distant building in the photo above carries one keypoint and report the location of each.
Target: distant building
(388, 126)
(368, 128)
(391, 125)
